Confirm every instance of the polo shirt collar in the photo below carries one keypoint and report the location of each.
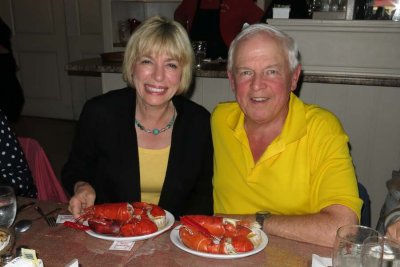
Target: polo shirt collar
(295, 126)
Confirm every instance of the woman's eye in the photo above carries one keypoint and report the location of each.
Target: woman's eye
(145, 61)
(173, 65)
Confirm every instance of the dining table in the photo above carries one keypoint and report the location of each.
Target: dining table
(60, 245)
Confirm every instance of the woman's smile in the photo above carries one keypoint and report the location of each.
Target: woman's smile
(155, 89)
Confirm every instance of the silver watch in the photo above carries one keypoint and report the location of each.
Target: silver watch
(261, 216)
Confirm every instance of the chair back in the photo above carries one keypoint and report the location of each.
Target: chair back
(366, 207)
(47, 184)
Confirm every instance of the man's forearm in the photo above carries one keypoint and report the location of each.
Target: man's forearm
(317, 228)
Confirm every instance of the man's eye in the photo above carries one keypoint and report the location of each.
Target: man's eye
(272, 72)
(245, 73)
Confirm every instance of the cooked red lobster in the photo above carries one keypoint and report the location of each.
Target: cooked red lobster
(122, 219)
(218, 235)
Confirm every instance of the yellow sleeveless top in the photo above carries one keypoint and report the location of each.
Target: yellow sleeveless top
(153, 166)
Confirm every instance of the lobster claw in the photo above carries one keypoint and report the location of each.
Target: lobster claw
(105, 226)
(76, 226)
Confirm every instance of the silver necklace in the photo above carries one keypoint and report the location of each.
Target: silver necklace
(156, 131)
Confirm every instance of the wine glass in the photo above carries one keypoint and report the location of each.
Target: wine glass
(358, 246)
(8, 206)
(200, 51)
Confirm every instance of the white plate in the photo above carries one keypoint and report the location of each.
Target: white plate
(170, 221)
(175, 238)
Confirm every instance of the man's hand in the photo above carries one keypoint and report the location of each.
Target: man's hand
(393, 230)
(84, 197)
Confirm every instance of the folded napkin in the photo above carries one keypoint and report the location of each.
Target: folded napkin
(318, 261)
(21, 262)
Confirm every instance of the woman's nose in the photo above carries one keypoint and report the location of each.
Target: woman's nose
(158, 73)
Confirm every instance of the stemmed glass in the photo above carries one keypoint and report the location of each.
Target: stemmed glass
(200, 51)
(358, 246)
(8, 206)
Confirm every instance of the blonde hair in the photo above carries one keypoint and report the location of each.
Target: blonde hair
(159, 35)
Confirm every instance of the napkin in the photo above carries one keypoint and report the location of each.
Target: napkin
(21, 262)
(318, 261)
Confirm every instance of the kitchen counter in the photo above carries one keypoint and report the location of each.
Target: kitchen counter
(95, 66)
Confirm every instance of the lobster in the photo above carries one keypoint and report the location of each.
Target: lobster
(219, 235)
(122, 219)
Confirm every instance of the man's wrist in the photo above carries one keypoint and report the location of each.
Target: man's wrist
(262, 216)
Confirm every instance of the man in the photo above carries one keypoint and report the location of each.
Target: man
(389, 219)
(276, 154)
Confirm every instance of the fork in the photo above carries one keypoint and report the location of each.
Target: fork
(50, 220)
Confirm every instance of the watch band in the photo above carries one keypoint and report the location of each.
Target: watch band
(262, 216)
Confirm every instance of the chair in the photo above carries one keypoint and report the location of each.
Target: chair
(47, 184)
(366, 207)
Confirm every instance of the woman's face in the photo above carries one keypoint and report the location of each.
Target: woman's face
(156, 78)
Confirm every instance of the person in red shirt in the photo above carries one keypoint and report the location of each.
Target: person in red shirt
(201, 17)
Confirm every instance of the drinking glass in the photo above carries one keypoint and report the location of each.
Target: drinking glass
(357, 246)
(8, 206)
(200, 50)
(391, 253)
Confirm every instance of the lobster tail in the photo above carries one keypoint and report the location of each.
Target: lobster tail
(218, 235)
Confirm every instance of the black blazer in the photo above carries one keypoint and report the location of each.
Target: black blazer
(104, 153)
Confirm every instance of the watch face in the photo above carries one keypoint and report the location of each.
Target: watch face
(261, 216)
(263, 213)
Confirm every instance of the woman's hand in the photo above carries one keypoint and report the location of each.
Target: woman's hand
(393, 230)
(84, 197)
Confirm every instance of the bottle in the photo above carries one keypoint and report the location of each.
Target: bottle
(325, 5)
(396, 14)
(124, 31)
(334, 5)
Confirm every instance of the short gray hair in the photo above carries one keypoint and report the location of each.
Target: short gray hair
(288, 42)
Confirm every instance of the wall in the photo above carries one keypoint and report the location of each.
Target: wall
(46, 35)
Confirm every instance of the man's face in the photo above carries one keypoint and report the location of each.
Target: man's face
(261, 79)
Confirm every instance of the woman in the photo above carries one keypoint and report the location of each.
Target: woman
(145, 142)
(11, 93)
(216, 21)
(14, 169)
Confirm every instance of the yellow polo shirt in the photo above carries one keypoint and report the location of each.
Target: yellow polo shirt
(306, 168)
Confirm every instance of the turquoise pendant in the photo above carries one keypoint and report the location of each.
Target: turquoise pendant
(156, 131)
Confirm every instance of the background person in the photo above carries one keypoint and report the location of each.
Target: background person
(14, 169)
(216, 21)
(145, 142)
(389, 219)
(276, 154)
(11, 93)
